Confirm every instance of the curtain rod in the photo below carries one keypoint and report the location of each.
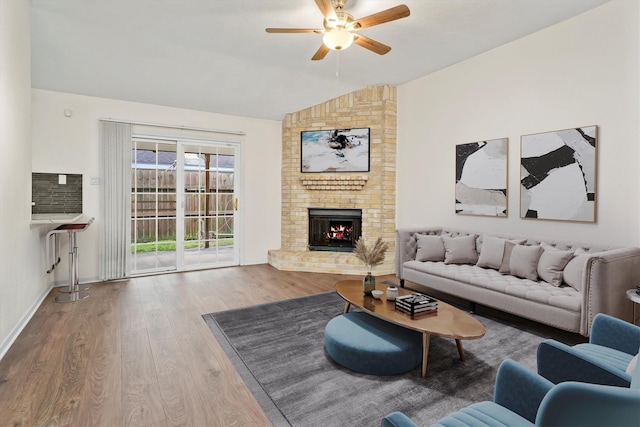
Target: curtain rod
(228, 132)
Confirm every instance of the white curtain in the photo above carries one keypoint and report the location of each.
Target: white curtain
(115, 199)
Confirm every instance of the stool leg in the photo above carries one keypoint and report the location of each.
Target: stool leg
(74, 293)
(72, 262)
(78, 286)
(75, 265)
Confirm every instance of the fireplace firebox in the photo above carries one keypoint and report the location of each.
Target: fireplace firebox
(334, 229)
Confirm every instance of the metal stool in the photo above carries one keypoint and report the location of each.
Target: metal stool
(74, 289)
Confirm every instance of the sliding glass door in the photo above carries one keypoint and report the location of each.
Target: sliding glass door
(183, 205)
(153, 206)
(209, 205)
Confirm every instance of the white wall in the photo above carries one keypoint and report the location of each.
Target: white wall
(70, 145)
(23, 284)
(583, 71)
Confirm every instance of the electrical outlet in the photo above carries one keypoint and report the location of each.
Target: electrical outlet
(95, 180)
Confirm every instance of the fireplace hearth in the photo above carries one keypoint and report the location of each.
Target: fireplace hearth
(334, 229)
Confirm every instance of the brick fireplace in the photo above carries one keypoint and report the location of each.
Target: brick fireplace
(371, 192)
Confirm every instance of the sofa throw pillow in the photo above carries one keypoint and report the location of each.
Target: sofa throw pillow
(430, 248)
(524, 261)
(492, 251)
(506, 257)
(572, 273)
(632, 365)
(552, 263)
(460, 250)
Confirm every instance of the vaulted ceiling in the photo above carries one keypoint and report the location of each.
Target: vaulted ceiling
(214, 55)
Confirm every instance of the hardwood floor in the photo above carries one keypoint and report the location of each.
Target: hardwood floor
(137, 352)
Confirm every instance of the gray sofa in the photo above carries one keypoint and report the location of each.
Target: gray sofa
(559, 283)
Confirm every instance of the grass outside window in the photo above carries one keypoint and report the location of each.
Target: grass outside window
(168, 246)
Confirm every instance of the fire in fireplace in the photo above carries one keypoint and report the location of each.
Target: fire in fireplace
(340, 231)
(334, 229)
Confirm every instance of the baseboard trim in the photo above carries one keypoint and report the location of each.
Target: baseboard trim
(6, 345)
(85, 281)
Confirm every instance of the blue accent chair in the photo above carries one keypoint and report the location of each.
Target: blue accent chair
(524, 398)
(603, 360)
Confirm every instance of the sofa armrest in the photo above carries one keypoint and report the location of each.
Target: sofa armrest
(606, 278)
(397, 419)
(406, 244)
(520, 390)
(614, 333)
(559, 362)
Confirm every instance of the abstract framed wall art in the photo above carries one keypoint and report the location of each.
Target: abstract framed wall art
(336, 150)
(481, 178)
(558, 174)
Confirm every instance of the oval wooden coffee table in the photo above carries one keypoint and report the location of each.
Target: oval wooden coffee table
(447, 321)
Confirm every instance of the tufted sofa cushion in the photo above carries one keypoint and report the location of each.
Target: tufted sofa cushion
(564, 297)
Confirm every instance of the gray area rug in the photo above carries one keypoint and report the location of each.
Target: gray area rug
(278, 350)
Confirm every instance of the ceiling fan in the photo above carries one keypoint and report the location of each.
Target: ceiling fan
(340, 29)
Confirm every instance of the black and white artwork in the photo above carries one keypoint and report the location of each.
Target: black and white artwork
(481, 178)
(558, 175)
(337, 150)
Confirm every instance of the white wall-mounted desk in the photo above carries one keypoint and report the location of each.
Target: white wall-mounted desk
(55, 218)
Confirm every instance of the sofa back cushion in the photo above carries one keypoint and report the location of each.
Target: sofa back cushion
(460, 250)
(552, 263)
(523, 262)
(572, 273)
(491, 252)
(430, 248)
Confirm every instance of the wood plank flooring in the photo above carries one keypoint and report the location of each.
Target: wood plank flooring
(137, 352)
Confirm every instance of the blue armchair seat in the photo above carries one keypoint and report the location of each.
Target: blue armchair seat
(486, 414)
(603, 360)
(615, 358)
(483, 414)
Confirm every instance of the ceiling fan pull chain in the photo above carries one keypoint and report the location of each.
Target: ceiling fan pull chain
(338, 67)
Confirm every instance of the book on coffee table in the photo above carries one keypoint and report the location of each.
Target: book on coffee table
(416, 304)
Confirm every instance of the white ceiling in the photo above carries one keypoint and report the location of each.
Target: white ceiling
(214, 55)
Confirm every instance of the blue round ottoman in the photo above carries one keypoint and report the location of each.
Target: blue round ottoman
(363, 343)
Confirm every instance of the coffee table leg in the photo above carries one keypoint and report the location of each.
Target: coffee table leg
(460, 349)
(347, 305)
(425, 353)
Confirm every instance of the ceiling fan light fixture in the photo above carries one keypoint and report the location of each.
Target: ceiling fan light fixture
(338, 39)
(340, 29)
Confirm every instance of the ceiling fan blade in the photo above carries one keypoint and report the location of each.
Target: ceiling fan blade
(398, 12)
(371, 44)
(326, 8)
(320, 53)
(293, 30)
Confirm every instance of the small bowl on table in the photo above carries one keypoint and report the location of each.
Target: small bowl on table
(376, 293)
